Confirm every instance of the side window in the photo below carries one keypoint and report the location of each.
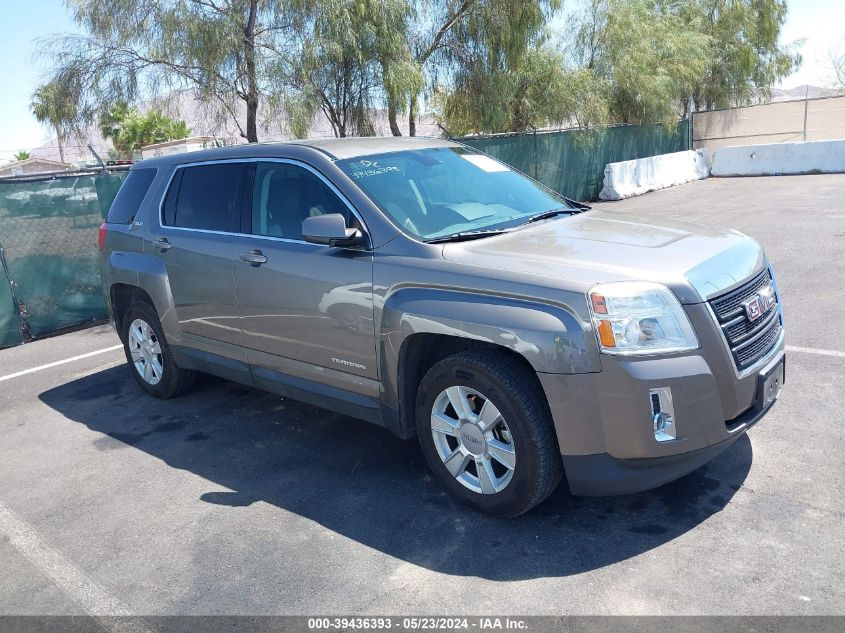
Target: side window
(284, 195)
(130, 195)
(206, 197)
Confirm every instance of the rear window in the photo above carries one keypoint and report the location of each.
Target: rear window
(206, 197)
(130, 196)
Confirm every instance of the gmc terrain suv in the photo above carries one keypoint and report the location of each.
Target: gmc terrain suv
(430, 289)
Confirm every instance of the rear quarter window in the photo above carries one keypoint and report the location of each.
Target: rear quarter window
(130, 196)
(206, 197)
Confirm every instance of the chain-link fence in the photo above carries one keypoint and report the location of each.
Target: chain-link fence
(820, 119)
(572, 162)
(49, 278)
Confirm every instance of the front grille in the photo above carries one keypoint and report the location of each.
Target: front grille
(749, 341)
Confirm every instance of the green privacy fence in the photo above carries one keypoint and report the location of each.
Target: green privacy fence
(49, 278)
(572, 163)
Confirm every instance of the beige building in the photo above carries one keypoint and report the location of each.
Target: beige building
(32, 166)
(821, 119)
(179, 146)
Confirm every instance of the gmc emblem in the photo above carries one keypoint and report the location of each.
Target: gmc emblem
(758, 305)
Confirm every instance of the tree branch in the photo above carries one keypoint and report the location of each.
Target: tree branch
(462, 10)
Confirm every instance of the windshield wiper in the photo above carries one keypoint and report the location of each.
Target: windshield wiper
(467, 235)
(573, 209)
(550, 214)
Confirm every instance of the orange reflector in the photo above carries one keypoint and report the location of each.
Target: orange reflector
(606, 334)
(599, 304)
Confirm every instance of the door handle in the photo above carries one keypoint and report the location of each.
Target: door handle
(162, 244)
(254, 258)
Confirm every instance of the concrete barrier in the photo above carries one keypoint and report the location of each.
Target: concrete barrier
(635, 177)
(813, 157)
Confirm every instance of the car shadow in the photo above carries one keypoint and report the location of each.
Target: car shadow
(363, 483)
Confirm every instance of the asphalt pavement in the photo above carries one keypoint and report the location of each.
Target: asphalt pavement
(232, 501)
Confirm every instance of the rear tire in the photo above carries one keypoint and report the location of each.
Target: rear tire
(499, 454)
(149, 355)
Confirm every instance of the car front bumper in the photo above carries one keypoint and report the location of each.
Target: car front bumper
(604, 426)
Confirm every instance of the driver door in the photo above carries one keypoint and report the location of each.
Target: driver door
(306, 310)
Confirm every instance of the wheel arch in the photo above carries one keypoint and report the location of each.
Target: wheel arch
(421, 326)
(141, 276)
(122, 296)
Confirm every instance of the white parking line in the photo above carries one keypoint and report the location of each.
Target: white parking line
(89, 595)
(813, 350)
(59, 362)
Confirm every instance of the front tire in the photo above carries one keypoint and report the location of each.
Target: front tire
(486, 433)
(149, 355)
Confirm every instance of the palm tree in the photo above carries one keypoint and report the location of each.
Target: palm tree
(52, 106)
(21, 155)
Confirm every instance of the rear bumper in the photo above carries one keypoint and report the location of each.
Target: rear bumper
(604, 428)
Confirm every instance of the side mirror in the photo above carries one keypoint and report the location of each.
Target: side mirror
(330, 230)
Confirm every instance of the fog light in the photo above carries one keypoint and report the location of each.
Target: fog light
(662, 414)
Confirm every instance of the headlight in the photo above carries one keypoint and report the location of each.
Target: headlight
(633, 317)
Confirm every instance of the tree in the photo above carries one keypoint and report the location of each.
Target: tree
(225, 53)
(485, 64)
(438, 50)
(837, 62)
(663, 58)
(352, 49)
(537, 92)
(501, 75)
(744, 57)
(54, 104)
(652, 58)
(21, 155)
(129, 130)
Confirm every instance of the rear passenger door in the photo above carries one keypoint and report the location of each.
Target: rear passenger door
(200, 217)
(306, 310)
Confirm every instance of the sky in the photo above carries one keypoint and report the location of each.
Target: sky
(820, 23)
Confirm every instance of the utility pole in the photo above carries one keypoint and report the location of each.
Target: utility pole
(806, 98)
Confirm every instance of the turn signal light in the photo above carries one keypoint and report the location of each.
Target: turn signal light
(606, 334)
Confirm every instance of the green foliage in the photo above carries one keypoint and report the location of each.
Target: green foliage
(129, 130)
(665, 57)
(22, 155)
(225, 53)
(54, 104)
(744, 57)
(536, 92)
(504, 78)
(485, 65)
(652, 58)
(354, 50)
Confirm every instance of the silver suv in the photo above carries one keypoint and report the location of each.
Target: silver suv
(432, 290)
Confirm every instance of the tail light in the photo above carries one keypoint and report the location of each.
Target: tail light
(101, 242)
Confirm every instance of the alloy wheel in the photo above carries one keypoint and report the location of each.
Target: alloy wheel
(145, 350)
(473, 440)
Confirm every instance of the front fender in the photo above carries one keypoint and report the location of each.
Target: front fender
(550, 337)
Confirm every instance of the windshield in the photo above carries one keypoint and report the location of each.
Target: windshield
(437, 192)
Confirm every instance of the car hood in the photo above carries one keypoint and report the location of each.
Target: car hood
(696, 262)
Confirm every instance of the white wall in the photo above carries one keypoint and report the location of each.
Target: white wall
(780, 158)
(635, 177)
